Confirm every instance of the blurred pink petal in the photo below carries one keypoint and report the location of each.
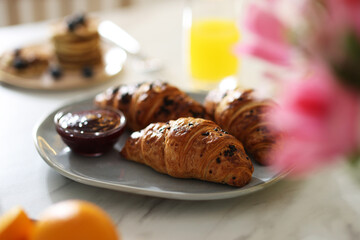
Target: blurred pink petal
(272, 2)
(265, 25)
(353, 8)
(345, 14)
(320, 121)
(269, 41)
(274, 53)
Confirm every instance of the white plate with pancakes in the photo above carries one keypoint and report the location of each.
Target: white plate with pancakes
(113, 60)
(75, 56)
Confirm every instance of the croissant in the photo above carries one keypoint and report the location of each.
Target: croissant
(245, 117)
(191, 148)
(150, 102)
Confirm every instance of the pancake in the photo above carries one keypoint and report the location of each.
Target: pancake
(27, 62)
(77, 42)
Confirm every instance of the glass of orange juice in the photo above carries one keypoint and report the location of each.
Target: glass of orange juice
(210, 35)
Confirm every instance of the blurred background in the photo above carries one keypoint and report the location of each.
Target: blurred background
(23, 11)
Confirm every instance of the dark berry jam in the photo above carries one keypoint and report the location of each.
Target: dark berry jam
(91, 132)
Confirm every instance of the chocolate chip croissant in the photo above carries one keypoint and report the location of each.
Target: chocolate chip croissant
(150, 102)
(244, 116)
(191, 148)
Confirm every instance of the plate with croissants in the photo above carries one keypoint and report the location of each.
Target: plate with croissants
(177, 145)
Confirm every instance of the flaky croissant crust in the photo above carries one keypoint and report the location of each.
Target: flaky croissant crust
(191, 148)
(150, 102)
(246, 117)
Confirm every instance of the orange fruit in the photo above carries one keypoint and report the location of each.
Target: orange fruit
(74, 220)
(15, 225)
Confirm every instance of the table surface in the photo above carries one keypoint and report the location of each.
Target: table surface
(325, 205)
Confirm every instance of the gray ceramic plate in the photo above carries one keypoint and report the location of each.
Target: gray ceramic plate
(114, 172)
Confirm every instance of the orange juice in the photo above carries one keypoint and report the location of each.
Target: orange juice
(211, 49)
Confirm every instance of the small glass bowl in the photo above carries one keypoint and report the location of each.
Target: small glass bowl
(89, 131)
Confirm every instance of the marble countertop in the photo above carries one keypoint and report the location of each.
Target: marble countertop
(325, 205)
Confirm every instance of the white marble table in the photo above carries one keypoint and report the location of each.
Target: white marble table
(326, 205)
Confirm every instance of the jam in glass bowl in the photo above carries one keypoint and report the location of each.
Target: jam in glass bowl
(89, 131)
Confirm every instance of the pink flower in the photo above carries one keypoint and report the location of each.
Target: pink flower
(270, 41)
(347, 12)
(319, 117)
(265, 25)
(320, 122)
(266, 50)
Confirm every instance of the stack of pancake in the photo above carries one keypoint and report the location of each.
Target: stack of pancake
(77, 42)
